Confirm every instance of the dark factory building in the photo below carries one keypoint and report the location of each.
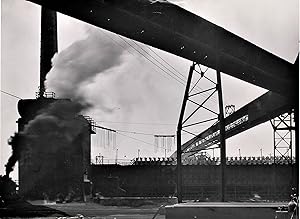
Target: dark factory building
(272, 181)
(55, 149)
(54, 140)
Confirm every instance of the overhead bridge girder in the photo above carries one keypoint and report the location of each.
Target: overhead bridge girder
(260, 110)
(170, 28)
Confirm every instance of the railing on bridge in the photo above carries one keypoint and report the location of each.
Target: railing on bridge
(240, 161)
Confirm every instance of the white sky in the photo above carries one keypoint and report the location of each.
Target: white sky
(154, 98)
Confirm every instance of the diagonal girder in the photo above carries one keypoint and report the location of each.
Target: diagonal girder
(260, 110)
(168, 27)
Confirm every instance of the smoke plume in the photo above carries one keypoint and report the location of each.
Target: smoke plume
(14, 142)
(103, 73)
(78, 65)
(54, 128)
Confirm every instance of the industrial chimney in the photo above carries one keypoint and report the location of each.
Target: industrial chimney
(48, 44)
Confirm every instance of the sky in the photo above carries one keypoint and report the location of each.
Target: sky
(131, 94)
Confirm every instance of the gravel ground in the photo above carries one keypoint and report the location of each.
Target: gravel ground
(96, 211)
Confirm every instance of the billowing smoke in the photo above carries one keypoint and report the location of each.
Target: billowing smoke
(77, 66)
(92, 73)
(53, 129)
(14, 142)
(104, 73)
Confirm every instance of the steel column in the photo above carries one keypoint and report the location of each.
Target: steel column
(283, 127)
(297, 149)
(222, 136)
(179, 129)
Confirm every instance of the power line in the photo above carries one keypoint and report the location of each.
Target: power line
(137, 133)
(135, 50)
(172, 75)
(152, 61)
(166, 62)
(135, 139)
(178, 79)
(138, 123)
(116, 42)
(9, 94)
(184, 79)
(131, 132)
(119, 132)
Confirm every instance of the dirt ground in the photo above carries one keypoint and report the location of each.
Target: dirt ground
(96, 211)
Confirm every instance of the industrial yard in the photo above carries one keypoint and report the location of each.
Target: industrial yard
(224, 145)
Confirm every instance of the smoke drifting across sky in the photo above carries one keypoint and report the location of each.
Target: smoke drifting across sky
(78, 65)
(102, 73)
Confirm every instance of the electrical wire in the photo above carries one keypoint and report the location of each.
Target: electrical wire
(152, 61)
(137, 123)
(178, 79)
(12, 95)
(166, 62)
(213, 100)
(137, 133)
(172, 75)
(116, 42)
(183, 80)
(131, 132)
(184, 77)
(135, 139)
(119, 132)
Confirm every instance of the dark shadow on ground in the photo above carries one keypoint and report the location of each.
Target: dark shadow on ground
(22, 208)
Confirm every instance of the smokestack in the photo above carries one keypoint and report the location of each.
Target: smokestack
(48, 44)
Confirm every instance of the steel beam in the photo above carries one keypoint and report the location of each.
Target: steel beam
(283, 127)
(179, 129)
(222, 136)
(260, 110)
(168, 27)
